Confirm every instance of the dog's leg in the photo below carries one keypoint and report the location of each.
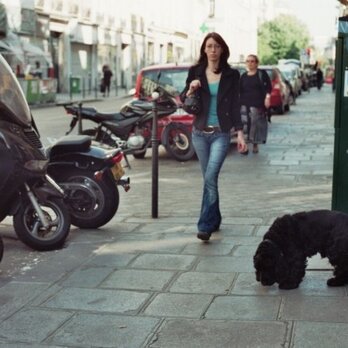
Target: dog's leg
(340, 275)
(295, 274)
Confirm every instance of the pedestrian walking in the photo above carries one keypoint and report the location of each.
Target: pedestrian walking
(255, 99)
(37, 72)
(217, 86)
(107, 74)
(320, 78)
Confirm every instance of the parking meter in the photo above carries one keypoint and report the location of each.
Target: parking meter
(340, 166)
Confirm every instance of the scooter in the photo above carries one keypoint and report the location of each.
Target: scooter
(40, 217)
(130, 129)
(89, 175)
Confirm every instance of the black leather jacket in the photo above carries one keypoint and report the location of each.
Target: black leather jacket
(228, 106)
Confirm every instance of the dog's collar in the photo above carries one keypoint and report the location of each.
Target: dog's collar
(274, 244)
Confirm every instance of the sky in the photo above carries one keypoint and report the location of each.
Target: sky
(319, 15)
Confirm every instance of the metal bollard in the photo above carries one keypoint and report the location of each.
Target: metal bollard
(155, 142)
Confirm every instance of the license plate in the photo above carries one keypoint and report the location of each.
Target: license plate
(117, 171)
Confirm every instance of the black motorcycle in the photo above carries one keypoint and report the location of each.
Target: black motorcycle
(89, 175)
(131, 128)
(40, 217)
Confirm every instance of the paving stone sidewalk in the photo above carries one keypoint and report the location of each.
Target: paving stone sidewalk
(143, 282)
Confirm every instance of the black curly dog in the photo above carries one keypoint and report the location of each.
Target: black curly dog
(282, 255)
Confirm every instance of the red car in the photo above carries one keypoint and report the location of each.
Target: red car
(173, 78)
(174, 131)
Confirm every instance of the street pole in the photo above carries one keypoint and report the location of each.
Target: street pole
(154, 142)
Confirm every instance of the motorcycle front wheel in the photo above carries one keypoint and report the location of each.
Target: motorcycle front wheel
(94, 203)
(177, 140)
(30, 230)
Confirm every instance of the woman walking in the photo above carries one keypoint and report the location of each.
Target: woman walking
(217, 85)
(255, 99)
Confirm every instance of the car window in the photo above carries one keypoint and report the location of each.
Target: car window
(283, 76)
(269, 72)
(173, 80)
(287, 74)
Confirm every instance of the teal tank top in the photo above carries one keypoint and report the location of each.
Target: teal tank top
(212, 116)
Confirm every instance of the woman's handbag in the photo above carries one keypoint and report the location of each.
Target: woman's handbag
(192, 104)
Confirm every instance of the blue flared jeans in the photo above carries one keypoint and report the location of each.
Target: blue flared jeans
(211, 150)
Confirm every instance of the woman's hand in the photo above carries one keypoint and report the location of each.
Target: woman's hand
(194, 85)
(268, 101)
(241, 145)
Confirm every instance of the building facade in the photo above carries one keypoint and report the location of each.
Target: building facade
(73, 38)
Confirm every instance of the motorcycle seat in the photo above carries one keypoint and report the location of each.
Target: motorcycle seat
(70, 143)
(89, 110)
(107, 116)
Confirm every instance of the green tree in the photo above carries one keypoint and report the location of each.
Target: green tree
(282, 38)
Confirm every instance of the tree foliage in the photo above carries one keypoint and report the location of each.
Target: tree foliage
(282, 38)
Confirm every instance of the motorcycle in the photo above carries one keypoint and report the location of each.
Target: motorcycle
(89, 175)
(130, 129)
(40, 217)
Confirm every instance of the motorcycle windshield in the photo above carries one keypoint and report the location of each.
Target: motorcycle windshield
(13, 105)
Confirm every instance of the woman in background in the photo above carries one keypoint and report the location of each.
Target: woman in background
(255, 99)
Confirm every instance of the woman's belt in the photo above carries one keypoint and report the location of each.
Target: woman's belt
(211, 129)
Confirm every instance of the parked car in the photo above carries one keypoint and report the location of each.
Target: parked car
(305, 78)
(293, 75)
(172, 77)
(280, 94)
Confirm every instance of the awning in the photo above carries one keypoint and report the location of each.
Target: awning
(13, 52)
(14, 46)
(35, 51)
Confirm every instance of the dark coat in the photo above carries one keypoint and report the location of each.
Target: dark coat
(228, 106)
(107, 76)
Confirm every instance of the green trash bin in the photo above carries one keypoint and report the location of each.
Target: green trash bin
(75, 84)
(32, 91)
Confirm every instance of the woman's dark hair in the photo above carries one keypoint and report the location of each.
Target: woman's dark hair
(224, 55)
